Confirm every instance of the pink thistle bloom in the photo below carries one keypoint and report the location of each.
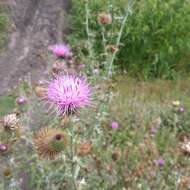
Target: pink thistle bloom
(114, 125)
(61, 51)
(69, 93)
(160, 162)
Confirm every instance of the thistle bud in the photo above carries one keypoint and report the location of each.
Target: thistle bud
(4, 148)
(58, 67)
(40, 91)
(21, 100)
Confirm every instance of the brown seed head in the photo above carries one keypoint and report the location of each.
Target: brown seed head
(50, 142)
(7, 172)
(104, 18)
(116, 155)
(85, 149)
(11, 122)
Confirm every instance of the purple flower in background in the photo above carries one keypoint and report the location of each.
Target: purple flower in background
(114, 125)
(21, 100)
(153, 131)
(82, 66)
(160, 162)
(61, 51)
(69, 93)
(3, 147)
(181, 109)
(153, 173)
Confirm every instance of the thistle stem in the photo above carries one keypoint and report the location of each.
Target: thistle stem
(72, 158)
(128, 11)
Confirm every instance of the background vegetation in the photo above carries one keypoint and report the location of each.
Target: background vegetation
(155, 41)
(146, 151)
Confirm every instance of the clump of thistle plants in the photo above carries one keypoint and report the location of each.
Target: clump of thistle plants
(80, 129)
(72, 132)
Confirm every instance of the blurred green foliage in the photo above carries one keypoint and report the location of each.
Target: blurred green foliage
(156, 38)
(7, 104)
(156, 42)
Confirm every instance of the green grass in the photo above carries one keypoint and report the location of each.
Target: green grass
(7, 104)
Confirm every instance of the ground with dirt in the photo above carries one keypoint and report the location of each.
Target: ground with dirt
(36, 25)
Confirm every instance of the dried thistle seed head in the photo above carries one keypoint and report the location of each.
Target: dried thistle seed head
(184, 182)
(50, 142)
(59, 67)
(40, 91)
(85, 149)
(104, 18)
(112, 48)
(7, 172)
(11, 122)
(116, 155)
(185, 147)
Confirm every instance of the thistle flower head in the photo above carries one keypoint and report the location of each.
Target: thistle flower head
(160, 162)
(69, 93)
(114, 125)
(50, 142)
(61, 51)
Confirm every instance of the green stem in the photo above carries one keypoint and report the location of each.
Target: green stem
(87, 29)
(6, 181)
(104, 40)
(89, 42)
(72, 158)
(119, 38)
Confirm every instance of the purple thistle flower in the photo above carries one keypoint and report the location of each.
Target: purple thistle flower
(181, 109)
(153, 131)
(61, 51)
(160, 162)
(21, 100)
(114, 125)
(69, 93)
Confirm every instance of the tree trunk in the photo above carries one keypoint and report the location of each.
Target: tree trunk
(38, 24)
